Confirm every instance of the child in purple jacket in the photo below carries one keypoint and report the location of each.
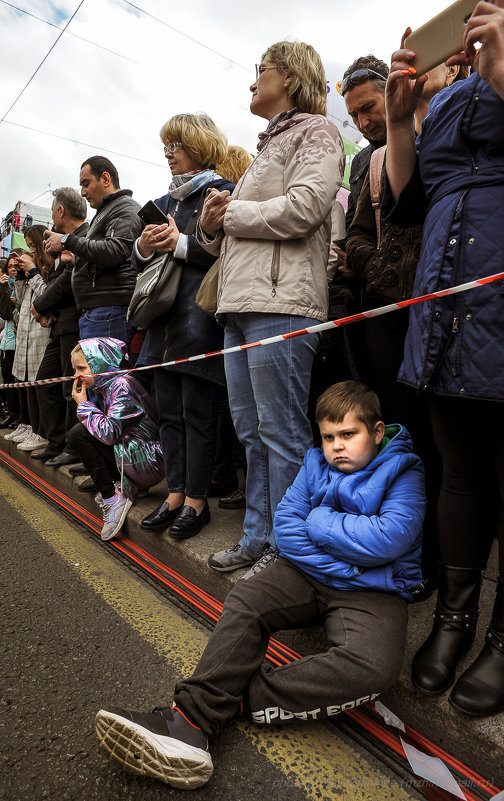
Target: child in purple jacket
(117, 438)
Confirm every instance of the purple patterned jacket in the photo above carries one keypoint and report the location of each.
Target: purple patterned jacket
(127, 421)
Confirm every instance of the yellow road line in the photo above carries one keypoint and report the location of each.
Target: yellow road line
(311, 757)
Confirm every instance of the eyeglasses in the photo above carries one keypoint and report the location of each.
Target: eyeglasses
(359, 76)
(259, 70)
(171, 148)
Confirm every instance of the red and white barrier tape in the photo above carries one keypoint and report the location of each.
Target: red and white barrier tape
(312, 329)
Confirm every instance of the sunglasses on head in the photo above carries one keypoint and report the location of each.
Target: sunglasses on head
(359, 76)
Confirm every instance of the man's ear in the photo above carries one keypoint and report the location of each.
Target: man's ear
(106, 179)
(451, 74)
(379, 432)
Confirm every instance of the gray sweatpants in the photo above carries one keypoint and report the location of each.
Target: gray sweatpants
(366, 633)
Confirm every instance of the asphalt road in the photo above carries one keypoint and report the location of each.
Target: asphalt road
(79, 629)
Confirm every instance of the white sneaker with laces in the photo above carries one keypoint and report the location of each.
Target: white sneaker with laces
(32, 442)
(26, 431)
(19, 430)
(114, 515)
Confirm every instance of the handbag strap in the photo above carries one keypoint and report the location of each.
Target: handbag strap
(375, 186)
(191, 225)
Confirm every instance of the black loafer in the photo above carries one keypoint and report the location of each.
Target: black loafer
(160, 518)
(62, 459)
(188, 523)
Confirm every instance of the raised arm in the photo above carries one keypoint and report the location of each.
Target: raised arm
(403, 92)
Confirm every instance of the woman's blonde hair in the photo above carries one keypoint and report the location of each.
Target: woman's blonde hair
(199, 135)
(308, 88)
(235, 163)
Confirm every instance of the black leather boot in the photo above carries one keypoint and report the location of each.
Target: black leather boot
(480, 689)
(455, 616)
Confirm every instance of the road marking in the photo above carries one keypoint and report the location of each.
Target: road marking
(310, 756)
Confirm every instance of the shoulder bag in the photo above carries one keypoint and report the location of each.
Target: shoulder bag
(157, 286)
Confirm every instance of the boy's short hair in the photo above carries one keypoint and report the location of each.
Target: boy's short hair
(349, 396)
(76, 350)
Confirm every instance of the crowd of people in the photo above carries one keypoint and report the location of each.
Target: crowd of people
(348, 532)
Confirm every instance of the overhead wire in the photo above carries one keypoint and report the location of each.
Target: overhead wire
(73, 35)
(84, 144)
(118, 55)
(28, 82)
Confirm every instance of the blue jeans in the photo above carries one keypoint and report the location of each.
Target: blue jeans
(106, 321)
(268, 395)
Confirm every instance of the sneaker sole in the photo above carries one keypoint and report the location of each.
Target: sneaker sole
(137, 750)
(110, 535)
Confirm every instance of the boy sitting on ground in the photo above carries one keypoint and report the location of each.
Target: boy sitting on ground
(348, 532)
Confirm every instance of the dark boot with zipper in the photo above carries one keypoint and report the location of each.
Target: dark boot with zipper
(480, 689)
(455, 617)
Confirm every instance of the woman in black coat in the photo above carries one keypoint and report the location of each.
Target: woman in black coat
(187, 395)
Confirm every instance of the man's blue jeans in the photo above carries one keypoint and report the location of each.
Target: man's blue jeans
(106, 321)
(268, 390)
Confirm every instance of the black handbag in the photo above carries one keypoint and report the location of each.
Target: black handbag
(157, 286)
(155, 290)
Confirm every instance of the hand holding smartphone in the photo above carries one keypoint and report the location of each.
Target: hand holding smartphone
(152, 214)
(441, 37)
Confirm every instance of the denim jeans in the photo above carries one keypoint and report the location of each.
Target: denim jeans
(268, 395)
(106, 321)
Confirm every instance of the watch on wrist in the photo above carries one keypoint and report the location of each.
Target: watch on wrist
(63, 241)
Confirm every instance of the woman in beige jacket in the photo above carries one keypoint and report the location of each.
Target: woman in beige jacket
(273, 239)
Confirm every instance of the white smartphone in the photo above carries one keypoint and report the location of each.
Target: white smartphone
(441, 37)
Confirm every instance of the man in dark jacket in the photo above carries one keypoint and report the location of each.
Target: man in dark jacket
(56, 307)
(103, 278)
(363, 87)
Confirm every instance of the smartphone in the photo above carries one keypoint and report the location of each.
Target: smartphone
(441, 37)
(152, 214)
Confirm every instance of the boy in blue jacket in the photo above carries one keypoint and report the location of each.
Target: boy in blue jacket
(348, 533)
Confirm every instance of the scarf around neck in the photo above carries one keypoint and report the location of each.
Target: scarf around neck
(184, 185)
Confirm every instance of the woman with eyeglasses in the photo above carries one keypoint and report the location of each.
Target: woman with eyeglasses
(273, 240)
(188, 395)
(452, 180)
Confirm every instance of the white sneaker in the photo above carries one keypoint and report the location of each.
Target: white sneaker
(114, 515)
(32, 442)
(21, 427)
(24, 432)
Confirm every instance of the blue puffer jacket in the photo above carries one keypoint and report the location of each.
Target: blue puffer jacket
(455, 345)
(357, 531)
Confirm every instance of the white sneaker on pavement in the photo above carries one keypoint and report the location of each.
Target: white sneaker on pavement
(19, 430)
(114, 515)
(21, 434)
(32, 442)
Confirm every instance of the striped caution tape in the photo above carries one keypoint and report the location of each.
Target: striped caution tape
(312, 329)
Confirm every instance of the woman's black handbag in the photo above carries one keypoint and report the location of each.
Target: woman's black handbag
(155, 291)
(157, 286)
